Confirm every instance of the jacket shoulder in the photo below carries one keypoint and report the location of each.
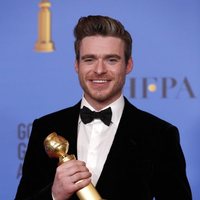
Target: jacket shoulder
(68, 112)
(139, 116)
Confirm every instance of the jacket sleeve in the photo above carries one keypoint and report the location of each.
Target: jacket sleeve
(170, 169)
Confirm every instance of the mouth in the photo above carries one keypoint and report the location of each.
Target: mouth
(99, 81)
(100, 84)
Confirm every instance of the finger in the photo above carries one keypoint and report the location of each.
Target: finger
(70, 168)
(80, 176)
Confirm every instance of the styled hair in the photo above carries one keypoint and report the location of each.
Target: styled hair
(101, 25)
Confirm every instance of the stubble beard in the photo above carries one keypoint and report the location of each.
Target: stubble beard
(101, 96)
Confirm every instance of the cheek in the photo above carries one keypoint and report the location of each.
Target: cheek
(121, 73)
(82, 74)
(121, 76)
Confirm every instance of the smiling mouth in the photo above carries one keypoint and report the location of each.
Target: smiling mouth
(99, 81)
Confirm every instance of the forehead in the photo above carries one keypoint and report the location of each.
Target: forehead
(101, 44)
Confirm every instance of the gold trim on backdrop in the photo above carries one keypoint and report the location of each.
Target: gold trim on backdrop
(44, 42)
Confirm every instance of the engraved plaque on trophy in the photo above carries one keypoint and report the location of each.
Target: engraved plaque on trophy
(57, 146)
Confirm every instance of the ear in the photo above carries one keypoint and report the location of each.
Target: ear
(76, 65)
(129, 66)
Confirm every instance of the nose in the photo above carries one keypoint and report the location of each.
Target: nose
(100, 67)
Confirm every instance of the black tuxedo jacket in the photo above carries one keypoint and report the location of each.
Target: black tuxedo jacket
(145, 161)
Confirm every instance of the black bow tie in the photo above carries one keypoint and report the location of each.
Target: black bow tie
(87, 115)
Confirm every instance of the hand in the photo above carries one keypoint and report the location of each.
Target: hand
(70, 177)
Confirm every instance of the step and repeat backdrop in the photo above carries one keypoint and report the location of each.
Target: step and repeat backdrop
(165, 80)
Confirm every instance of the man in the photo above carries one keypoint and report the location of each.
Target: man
(122, 158)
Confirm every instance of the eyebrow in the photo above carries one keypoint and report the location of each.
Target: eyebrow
(106, 56)
(113, 56)
(88, 56)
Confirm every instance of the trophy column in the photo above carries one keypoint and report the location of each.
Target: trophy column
(56, 146)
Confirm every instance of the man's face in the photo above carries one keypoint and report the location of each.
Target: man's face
(101, 69)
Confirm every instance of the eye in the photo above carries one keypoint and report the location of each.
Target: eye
(112, 60)
(88, 61)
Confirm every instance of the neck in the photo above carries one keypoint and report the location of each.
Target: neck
(100, 104)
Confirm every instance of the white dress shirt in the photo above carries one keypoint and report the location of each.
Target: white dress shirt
(96, 138)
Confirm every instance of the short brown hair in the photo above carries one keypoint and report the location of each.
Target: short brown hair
(101, 25)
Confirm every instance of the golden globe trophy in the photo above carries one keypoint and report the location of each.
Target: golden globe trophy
(44, 42)
(57, 146)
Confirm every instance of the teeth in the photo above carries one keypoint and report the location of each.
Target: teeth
(99, 81)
